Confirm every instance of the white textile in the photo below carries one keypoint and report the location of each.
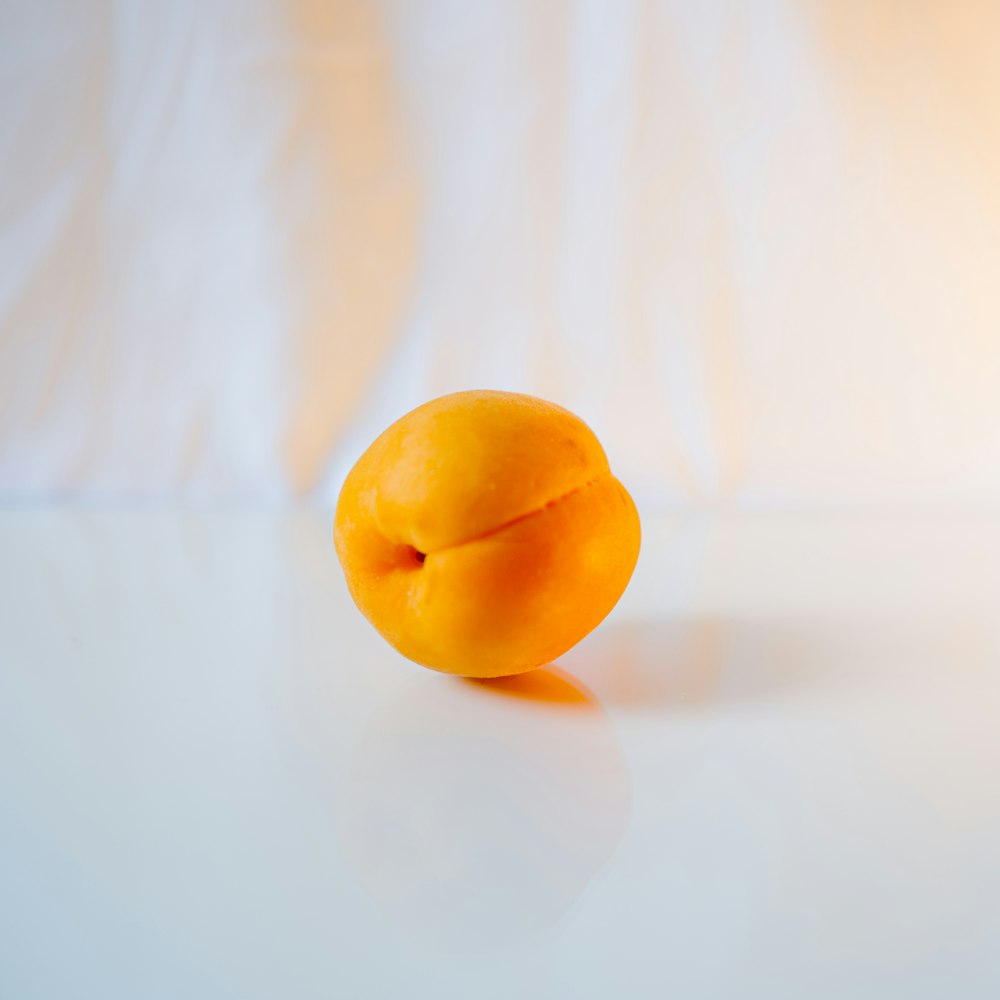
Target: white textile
(754, 245)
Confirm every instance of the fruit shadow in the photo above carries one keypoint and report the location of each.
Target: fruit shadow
(691, 663)
(547, 685)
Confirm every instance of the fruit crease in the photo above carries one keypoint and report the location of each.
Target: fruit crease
(521, 517)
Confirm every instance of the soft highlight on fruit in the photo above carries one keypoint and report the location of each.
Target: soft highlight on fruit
(483, 533)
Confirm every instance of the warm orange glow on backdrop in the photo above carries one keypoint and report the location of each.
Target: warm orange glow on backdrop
(755, 246)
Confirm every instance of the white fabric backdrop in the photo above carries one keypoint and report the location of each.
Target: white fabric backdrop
(755, 245)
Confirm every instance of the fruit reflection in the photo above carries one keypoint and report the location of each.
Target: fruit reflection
(479, 811)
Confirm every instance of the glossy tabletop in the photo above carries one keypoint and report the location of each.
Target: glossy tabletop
(773, 772)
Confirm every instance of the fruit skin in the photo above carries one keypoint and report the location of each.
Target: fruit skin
(483, 534)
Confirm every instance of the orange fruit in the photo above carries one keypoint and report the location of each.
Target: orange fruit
(483, 533)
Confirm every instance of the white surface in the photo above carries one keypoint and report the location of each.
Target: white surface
(754, 244)
(216, 781)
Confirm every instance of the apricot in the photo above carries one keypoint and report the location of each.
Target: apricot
(483, 533)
